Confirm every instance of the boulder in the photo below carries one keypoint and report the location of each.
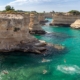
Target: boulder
(76, 24)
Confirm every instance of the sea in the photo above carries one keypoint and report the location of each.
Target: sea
(63, 65)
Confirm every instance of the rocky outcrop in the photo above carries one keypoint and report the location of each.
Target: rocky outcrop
(14, 34)
(41, 18)
(64, 19)
(34, 26)
(76, 24)
(48, 15)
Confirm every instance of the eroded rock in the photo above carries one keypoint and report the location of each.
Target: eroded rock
(34, 26)
(76, 24)
(14, 34)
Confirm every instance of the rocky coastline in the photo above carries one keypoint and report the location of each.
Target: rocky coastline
(34, 25)
(64, 19)
(76, 24)
(15, 36)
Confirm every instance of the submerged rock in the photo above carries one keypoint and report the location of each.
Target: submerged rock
(45, 71)
(5, 72)
(59, 47)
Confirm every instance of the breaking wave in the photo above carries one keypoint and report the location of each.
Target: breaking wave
(69, 69)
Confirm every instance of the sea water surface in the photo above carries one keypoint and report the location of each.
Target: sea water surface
(53, 66)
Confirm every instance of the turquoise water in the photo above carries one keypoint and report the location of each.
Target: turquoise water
(56, 66)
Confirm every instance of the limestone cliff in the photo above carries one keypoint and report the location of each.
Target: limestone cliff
(76, 24)
(34, 26)
(41, 18)
(14, 34)
(64, 19)
(48, 15)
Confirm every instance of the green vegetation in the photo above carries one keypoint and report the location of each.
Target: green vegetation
(9, 8)
(74, 12)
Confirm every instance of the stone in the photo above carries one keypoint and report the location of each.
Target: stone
(76, 24)
(41, 18)
(45, 71)
(59, 47)
(64, 19)
(14, 34)
(34, 26)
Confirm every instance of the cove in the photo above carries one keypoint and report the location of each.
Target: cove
(53, 66)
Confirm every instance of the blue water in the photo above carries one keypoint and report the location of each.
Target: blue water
(64, 65)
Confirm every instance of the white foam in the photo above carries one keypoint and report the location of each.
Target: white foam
(69, 69)
(48, 32)
(45, 60)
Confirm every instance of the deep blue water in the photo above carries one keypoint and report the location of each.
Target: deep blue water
(64, 65)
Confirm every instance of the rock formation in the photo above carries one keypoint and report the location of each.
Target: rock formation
(41, 18)
(64, 19)
(48, 15)
(34, 26)
(76, 24)
(14, 34)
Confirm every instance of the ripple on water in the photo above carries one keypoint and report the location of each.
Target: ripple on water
(69, 69)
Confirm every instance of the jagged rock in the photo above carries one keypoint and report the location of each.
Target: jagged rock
(41, 18)
(64, 19)
(34, 26)
(76, 24)
(14, 34)
(59, 47)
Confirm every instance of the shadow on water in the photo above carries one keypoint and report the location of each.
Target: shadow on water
(58, 36)
(54, 37)
(18, 59)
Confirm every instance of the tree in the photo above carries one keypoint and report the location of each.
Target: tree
(8, 8)
(75, 12)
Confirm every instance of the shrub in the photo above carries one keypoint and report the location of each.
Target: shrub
(74, 12)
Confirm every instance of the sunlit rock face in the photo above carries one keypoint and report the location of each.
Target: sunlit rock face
(48, 15)
(76, 24)
(15, 36)
(34, 25)
(41, 18)
(64, 19)
(14, 33)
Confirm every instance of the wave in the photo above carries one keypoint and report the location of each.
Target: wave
(69, 69)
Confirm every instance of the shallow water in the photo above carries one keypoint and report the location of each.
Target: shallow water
(62, 66)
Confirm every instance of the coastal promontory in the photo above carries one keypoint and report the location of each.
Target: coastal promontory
(76, 24)
(14, 34)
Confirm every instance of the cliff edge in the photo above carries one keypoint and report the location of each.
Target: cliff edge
(34, 25)
(14, 34)
(64, 19)
(76, 24)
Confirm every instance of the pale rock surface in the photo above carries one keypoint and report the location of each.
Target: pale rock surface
(64, 19)
(14, 34)
(76, 24)
(34, 26)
